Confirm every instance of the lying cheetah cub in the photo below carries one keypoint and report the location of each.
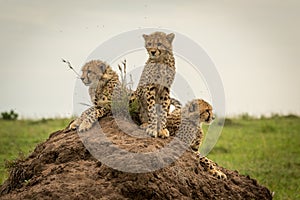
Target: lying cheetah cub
(186, 124)
(102, 81)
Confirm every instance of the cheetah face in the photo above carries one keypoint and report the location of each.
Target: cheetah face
(207, 116)
(200, 111)
(158, 44)
(92, 72)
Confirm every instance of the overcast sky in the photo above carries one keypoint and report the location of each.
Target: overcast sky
(255, 46)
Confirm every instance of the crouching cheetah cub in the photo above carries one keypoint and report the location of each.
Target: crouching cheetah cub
(186, 124)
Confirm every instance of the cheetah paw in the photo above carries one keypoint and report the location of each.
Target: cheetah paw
(151, 132)
(84, 126)
(164, 133)
(211, 167)
(144, 126)
(218, 174)
(72, 126)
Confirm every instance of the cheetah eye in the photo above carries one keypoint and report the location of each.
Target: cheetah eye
(159, 44)
(149, 43)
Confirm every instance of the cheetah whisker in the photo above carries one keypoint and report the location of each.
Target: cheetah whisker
(85, 104)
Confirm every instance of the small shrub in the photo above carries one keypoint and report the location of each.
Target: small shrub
(268, 128)
(263, 117)
(232, 122)
(275, 116)
(245, 116)
(291, 116)
(229, 122)
(9, 115)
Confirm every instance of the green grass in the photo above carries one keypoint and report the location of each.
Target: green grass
(21, 137)
(266, 149)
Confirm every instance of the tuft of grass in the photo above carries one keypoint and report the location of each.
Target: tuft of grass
(122, 95)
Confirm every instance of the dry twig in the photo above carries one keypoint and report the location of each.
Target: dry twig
(70, 66)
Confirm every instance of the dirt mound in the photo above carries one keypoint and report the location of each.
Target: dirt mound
(62, 168)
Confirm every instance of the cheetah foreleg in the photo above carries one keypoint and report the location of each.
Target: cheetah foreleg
(92, 117)
(88, 118)
(163, 132)
(212, 168)
(151, 112)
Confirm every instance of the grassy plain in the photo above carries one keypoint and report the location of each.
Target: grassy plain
(21, 136)
(267, 149)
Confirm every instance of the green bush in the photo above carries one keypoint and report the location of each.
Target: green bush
(9, 115)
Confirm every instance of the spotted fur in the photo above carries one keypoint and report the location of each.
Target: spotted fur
(186, 124)
(153, 91)
(102, 81)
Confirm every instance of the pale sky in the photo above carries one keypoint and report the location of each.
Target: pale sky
(255, 46)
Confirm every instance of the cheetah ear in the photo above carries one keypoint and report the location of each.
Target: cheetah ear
(102, 67)
(145, 36)
(193, 107)
(170, 37)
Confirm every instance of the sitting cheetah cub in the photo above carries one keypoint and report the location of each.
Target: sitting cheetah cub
(153, 91)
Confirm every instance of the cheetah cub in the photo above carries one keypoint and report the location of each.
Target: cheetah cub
(102, 81)
(186, 124)
(153, 91)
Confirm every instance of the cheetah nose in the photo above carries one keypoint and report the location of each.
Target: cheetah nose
(153, 53)
(82, 78)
